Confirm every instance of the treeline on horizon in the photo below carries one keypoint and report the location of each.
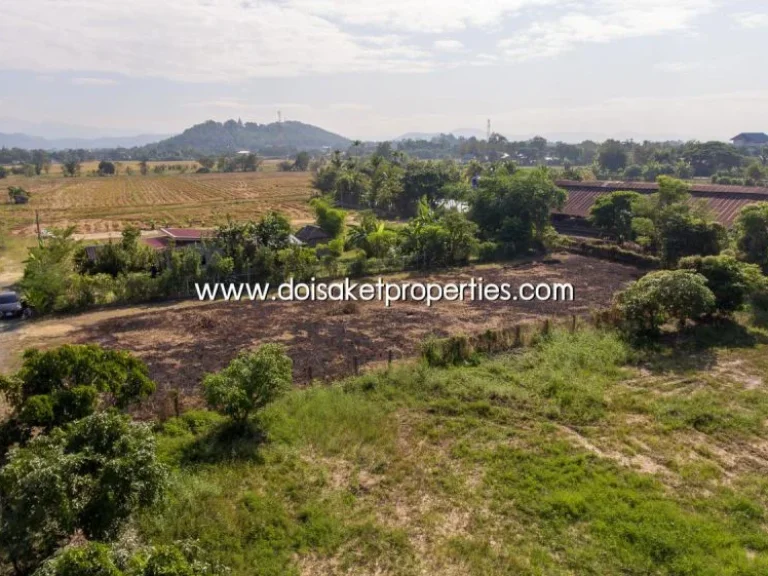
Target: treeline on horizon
(628, 159)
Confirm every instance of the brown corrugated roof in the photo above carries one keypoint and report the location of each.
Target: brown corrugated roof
(724, 201)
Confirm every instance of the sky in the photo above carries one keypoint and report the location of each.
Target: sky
(373, 69)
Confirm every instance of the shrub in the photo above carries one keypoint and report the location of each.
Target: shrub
(336, 247)
(331, 220)
(450, 351)
(752, 234)
(488, 251)
(63, 384)
(686, 235)
(250, 382)
(732, 282)
(89, 477)
(91, 560)
(662, 296)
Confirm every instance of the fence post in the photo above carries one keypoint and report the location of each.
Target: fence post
(309, 372)
(518, 336)
(354, 359)
(389, 357)
(573, 324)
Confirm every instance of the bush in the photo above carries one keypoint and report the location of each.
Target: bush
(94, 559)
(662, 296)
(91, 560)
(752, 234)
(450, 351)
(336, 247)
(64, 384)
(684, 235)
(331, 220)
(732, 282)
(89, 477)
(250, 382)
(488, 251)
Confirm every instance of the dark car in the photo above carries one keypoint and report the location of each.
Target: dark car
(12, 306)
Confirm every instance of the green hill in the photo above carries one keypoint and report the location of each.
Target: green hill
(278, 138)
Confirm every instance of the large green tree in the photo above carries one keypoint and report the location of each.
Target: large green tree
(60, 385)
(89, 478)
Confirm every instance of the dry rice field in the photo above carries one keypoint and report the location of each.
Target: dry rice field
(108, 204)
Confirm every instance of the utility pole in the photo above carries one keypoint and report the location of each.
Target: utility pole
(37, 223)
(279, 117)
(489, 129)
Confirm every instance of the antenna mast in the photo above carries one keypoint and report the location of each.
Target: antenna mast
(279, 117)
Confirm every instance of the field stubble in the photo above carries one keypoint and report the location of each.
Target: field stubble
(108, 204)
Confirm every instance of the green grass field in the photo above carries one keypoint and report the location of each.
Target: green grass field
(578, 456)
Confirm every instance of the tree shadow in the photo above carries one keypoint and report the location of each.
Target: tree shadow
(695, 347)
(226, 442)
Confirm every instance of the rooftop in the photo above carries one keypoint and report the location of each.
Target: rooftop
(725, 202)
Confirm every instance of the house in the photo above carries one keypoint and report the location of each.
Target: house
(179, 237)
(312, 235)
(750, 139)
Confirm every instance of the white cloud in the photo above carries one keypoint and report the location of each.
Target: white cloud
(424, 16)
(606, 21)
(448, 45)
(679, 67)
(751, 20)
(94, 81)
(228, 40)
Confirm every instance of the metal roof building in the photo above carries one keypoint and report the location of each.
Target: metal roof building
(725, 202)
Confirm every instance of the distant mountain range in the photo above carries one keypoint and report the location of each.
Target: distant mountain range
(208, 138)
(28, 142)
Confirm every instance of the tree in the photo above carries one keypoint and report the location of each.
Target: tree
(89, 477)
(709, 157)
(206, 162)
(41, 161)
(63, 384)
(732, 282)
(249, 382)
(143, 167)
(661, 296)
(301, 164)
(273, 230)
(71, 168)
(331, 220)
(515, 209)
(755, 172)
(3, 172)
(752, 234)
(106, 168)
(687, 235)
(612, 156)
(48, 271)
(613, 213)
(633, 172)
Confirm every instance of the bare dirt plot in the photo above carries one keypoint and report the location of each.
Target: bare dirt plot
(184, 341)
(98, 205)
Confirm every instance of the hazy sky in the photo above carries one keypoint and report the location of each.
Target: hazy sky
(373, 69)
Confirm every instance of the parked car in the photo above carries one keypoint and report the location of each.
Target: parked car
(12, 306)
